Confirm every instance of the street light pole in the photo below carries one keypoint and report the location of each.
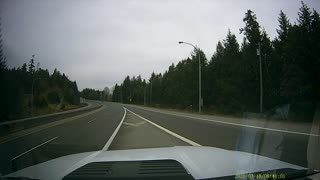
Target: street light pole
(261, 84)
(200, 98)
(144, 95)
(151, 92)
(121, 98)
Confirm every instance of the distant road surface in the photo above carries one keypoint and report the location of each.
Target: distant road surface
(116, 126)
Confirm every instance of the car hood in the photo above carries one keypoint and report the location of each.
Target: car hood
(200, 162)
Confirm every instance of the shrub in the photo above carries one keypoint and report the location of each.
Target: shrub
(53, 97)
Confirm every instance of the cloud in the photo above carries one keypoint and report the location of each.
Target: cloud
(97, 43)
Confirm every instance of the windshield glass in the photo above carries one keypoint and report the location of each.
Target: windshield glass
(240, 77)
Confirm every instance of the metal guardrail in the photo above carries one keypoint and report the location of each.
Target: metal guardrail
(9, 127)
(46, 115)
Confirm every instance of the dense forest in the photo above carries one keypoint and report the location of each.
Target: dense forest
(93, 94)
(51, 92)
(230, 79)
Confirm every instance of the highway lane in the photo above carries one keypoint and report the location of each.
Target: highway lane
(288, 147)
(137, 133)
(88, 133)
(143, 128)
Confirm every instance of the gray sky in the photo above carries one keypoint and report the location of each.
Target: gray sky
(97, 43)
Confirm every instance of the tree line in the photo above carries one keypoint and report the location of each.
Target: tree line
(93, 94)
(230, 79)
(51, 92)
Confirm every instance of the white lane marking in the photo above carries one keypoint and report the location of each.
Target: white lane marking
(134, 124)
(92, 120)
(237, 124)
(26, 132)
(34, 148)
(106, 146)
(167, 130)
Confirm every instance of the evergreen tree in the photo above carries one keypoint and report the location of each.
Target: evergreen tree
(284, 26)
(230, 80)
(304, 18)
(31, 64)
(250, 64)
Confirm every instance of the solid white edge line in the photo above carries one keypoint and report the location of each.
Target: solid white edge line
(106, 146)
(168, 131)
(235, 124)
(34, 148)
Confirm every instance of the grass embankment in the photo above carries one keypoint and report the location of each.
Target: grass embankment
(53, 108)
(190, 109)
(296, 113)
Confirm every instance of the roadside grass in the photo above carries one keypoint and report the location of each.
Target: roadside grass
(194, 110)
(305, 115)
(53, 108)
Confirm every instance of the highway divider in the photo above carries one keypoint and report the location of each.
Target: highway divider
(13, 126)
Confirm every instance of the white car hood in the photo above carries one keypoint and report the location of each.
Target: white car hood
(200, 162)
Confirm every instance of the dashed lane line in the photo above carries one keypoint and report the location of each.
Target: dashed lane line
(34, 148)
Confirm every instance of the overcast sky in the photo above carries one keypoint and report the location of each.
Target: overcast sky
(97, 43)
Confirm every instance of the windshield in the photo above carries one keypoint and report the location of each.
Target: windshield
(83, 76)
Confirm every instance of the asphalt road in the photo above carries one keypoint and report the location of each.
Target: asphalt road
(143, 128)
(88, 133)
(136, 133)
(294, 146)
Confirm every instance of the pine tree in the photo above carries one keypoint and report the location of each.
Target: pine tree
(24, 67)
(249, 68)
(284, 26)
(304, 17)
(252, 28)
(31, 64)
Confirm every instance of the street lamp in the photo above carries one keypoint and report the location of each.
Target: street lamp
(261, 84)
(200, 98)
